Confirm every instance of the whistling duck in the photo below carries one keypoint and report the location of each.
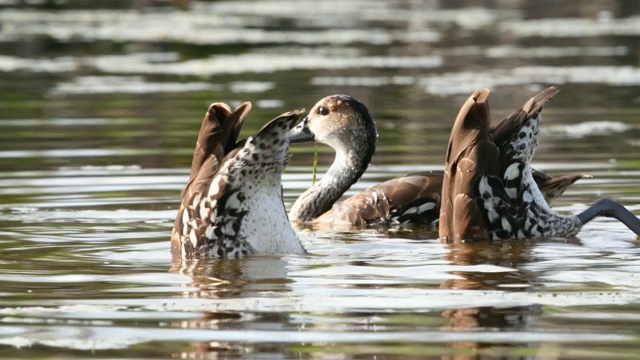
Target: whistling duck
(232, 204)
(345, 124)
(489, 191)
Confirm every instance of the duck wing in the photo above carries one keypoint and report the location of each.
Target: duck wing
(413, 198)
(471, 152)
(217, 137)
(217, 133)
(505, 136)
(517, 134)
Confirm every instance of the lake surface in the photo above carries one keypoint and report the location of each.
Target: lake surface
(100, 104)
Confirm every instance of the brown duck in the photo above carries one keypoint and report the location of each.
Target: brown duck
(489, 189)
(345, 124)
(232, 204)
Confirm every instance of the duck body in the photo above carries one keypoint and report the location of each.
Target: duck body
(490, 191)
(410, 199)
(345, 124)
(232, 205)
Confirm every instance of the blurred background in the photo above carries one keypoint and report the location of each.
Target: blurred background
(127, 82)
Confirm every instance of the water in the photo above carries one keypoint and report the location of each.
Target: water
(99, 109)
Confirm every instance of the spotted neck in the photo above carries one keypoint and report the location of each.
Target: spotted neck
(348, 166)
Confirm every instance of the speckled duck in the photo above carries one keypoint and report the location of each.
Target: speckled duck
(232, 204)
(489, 191)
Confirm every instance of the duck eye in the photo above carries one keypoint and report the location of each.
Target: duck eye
(323, 110)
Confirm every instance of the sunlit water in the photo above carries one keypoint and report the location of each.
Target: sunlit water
(99, 111)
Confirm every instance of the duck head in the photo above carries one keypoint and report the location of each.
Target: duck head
(340, 121)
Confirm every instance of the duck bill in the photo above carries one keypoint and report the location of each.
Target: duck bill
(301, 133)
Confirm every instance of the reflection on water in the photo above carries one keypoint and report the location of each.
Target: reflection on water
(100, 108)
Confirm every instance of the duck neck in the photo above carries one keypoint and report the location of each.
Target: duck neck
(348, 166)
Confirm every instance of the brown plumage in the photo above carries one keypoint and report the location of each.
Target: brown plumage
(490, 190)
(217, 137)
(345, 124)
(412, 198)
(470, 151)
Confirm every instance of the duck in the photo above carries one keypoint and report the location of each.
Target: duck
(345, 124)
(489, 190)
(232, 205)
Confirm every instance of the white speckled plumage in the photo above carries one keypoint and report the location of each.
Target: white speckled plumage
(526, 213)
(232, 205)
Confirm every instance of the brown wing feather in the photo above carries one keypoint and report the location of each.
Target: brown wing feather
(470, 154)
(390, 198)
(217, 137)
(209, 135)
(414, 198)
(232, 125)
(411, 187)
